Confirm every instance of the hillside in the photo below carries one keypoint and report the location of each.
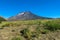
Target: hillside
(30, 30)
(27, 15)
(2, 19)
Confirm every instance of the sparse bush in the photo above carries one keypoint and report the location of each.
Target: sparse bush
(52, 25)
(13, 30)
(26, 33)
(16, 38)
(1, 28)
(5, 25)
(40, 30)
(44, 31)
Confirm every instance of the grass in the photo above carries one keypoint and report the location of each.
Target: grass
(52, 25)
(17, 38)
(39, 27)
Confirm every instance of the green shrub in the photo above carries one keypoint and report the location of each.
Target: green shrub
(52, 25)
(16, 38)
(5, 25)
(26, 33)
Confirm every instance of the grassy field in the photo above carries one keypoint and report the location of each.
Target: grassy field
(30, 30)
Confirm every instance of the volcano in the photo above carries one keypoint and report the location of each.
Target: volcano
(27, 15)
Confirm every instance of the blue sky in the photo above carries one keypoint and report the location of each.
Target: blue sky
(46, 8)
